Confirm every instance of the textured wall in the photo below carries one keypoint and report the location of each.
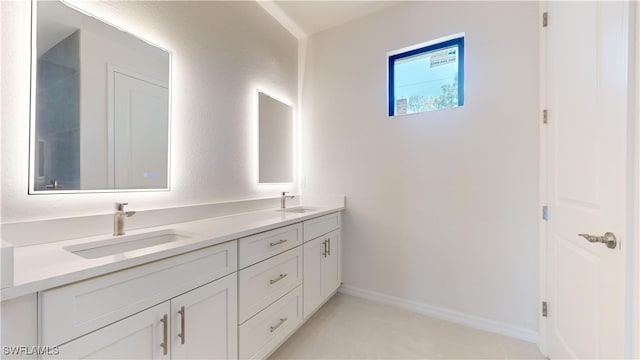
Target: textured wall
(222, 52)
(441, 206)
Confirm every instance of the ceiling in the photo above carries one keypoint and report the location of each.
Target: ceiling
(306, 17)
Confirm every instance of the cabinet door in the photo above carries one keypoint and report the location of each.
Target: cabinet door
(204, 321)
(331, 264)
(314, 254)
(140, 336)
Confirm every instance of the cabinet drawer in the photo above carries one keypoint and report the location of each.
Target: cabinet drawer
(265, 282)
(73, 310)
(267, 330)
(320, 226)
(262, 246)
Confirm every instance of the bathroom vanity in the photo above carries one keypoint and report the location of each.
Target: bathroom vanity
(222, 288)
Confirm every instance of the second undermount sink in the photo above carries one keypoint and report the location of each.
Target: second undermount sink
(113, 245)
(299, 209)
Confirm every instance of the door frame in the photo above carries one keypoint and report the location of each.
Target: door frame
(632, 326)
(633, 272)
(542, 186)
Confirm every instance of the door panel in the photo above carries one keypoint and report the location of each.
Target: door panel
(332, 264)
(577, 172)
(576, 321)
(587, 153)
(136, 337)
(312, 274)
(210, 321)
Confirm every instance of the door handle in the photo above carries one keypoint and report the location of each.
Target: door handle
(183, 316)
(273, 281)
(276, 326)
(165, 335)
(278, 242)
(608, 239)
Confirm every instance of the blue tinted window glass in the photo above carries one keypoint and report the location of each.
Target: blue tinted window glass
(428, 78)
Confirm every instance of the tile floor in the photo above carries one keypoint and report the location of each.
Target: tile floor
(348, 327)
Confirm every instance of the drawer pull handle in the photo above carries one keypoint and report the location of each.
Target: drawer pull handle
(329, 247)
(282, 276)
(278, 242)
(165, 341)
(274, 328)
(183, 334)
(324, 243)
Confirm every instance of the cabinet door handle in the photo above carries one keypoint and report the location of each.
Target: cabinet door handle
(273, 281)
(165, 341)
(183, 316)
(278, 242)
(274, 328)
(329, 247)
(324, 243)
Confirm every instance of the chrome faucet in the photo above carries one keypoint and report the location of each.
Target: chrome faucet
(283, 199)
(118, 218)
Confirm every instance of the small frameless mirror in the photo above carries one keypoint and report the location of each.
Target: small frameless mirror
(99, 105)
(275, 120)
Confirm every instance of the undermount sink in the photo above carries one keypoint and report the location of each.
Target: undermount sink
(299, 209)
(119, 244)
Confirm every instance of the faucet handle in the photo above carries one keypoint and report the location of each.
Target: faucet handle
(120, 206)
(284, 193)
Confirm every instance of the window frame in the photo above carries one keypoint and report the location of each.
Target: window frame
(437, 44)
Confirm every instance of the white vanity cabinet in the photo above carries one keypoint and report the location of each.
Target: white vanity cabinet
(168, 308)
(238, 299)
(195, 325)
(322, 268)
(270, 290)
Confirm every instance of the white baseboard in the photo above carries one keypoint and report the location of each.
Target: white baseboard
(444, 314)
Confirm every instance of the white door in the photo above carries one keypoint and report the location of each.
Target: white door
(314, 253)
(204, 324)
(140, 336)
(587, 154)
(141, 133)
(321, 270)
(331, 264)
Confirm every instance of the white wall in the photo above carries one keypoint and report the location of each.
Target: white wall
(97, 51)
(222, 52)
(441, 206)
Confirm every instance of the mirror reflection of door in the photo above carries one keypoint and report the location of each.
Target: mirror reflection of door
(138, 141)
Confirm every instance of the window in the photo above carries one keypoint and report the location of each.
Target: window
(427, 77)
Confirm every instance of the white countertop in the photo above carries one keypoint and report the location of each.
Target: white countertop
(45, 266)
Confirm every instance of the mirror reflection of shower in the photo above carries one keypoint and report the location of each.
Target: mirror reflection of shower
(58, 114)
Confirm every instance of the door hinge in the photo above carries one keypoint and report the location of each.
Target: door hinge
(545, 213)
(544, 309)
(545, 116)
(545, 19)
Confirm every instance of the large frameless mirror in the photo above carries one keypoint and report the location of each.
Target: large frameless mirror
(275, 124)
(100, 102)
